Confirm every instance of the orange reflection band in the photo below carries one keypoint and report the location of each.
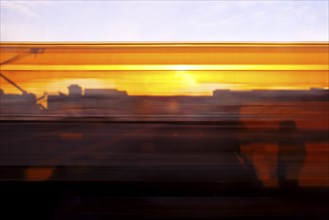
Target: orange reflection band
(224, 67)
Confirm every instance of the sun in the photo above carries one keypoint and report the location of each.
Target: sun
(185, 79)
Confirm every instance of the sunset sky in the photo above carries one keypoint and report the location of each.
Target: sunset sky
(190, 69)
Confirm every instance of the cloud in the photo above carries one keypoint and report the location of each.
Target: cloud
(24, 8)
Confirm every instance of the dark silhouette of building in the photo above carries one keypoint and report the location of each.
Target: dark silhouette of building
(104, 92)
(19, 104)
(75, 91)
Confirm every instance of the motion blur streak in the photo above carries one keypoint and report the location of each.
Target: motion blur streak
(165, 130)
(165, 68)
(160, 67)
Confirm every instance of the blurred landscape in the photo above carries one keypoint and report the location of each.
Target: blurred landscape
(166, 126)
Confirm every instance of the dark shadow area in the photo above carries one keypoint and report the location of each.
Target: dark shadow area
(291, 155)
(103, 154)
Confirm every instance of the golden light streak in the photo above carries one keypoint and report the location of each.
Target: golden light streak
(133, 67)
(166, 68)
(164, 82)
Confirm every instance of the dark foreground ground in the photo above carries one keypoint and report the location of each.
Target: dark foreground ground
(96, 170)
(103, 200)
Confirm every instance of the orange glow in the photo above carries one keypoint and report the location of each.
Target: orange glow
(165, 68)
(38, 173)
(128, 67)
(165, 82)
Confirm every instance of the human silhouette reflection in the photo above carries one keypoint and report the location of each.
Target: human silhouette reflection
(291, 155)
(245, 159)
